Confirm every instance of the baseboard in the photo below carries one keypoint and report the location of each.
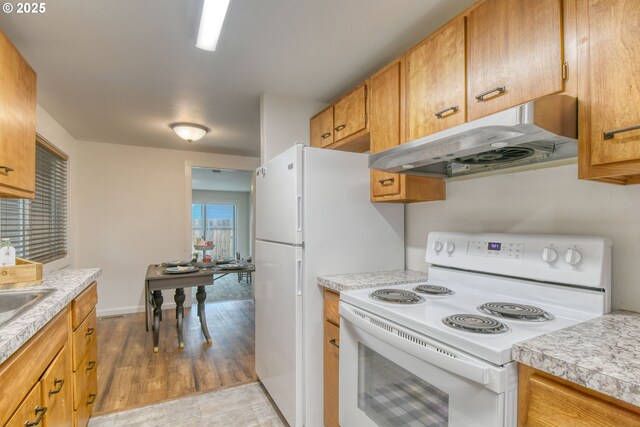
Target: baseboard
(129, 310)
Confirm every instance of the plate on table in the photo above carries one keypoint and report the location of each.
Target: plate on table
(179, 270)
(223, 260)
(176, 264)
(205, 264)
(231, 266)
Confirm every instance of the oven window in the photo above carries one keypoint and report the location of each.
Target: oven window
(392, 396)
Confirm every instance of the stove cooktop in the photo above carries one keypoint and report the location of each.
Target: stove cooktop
(456, 319)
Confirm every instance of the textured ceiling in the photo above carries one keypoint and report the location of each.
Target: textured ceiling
(119, 71)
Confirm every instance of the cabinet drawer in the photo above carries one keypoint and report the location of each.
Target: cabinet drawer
(86, 380)
(57, 390)
(30, 410)
(384, 184)
(331, 307)
(83, 338)
(83, 304)
(331, 376)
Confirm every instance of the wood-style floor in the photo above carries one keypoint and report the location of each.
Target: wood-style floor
(131, 375)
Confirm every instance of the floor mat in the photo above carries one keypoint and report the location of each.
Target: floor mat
(242, 406)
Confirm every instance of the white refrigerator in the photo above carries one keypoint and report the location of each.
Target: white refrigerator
(313, 218)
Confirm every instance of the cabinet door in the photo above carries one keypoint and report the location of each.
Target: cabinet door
(614, 52)
(350, 114)
(17, 123)
(331, 363)
(30, 411)
(386, 125)
(436, 82)
(514, 53)
(322, 129)
(57, 391)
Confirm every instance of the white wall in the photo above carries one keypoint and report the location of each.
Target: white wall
(241, 200)
(134, 205)
(283, 123)
(541, 201)
(51, 130)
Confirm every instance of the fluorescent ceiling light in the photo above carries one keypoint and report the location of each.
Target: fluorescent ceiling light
(189, 131)
(213, 13)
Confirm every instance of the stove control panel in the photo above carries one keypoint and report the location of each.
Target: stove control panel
(570, 259)
(496, 249)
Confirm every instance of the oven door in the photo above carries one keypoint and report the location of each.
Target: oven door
(392, 376)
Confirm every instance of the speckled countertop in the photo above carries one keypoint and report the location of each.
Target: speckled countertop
(602, 354)
(345, 282)
(68, 284)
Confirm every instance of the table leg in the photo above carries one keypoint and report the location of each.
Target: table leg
(179, 299)
(157, 317)
(146, 304)
(201, 296)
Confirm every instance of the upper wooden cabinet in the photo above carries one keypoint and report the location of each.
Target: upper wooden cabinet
(514, 53)
(609, 90)
(17, 123)
(436, 82)
(387, 131)
(344, 125)
(322, 128)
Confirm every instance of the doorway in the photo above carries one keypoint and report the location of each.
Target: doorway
(221, 219)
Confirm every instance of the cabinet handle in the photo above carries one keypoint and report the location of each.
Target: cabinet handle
(90, 365)
(40, 413)
(90, 331)
(340, 127)
(333, 342)
(484, 96)
(7, 169)
(326, 135)
(611, 133)
(92, 398)
(56, 383)
(440, 114)
(386, 182)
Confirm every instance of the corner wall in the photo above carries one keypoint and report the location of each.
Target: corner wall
(283, 123)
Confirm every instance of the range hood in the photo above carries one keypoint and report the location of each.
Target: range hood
(535, 132)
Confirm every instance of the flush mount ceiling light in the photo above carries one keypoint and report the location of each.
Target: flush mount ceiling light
(213, 13)
(189, 131)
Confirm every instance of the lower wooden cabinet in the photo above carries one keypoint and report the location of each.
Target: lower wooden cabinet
(45, 387)
(31, 411)
(57, 390)
(548, 401)
(331, 358)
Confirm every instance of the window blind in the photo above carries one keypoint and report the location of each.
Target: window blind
(38, 228)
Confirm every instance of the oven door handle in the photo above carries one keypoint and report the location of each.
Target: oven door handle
(434, 354)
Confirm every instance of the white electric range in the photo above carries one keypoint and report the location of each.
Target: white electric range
(438, 353)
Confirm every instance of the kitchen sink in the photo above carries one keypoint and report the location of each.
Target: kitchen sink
(13, 303)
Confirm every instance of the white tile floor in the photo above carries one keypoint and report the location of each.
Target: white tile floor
(242, 406)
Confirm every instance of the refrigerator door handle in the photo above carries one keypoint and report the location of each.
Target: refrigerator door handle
(299, 213)
(299, 277)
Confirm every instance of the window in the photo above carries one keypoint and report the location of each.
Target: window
(38, 228)
(217, 223)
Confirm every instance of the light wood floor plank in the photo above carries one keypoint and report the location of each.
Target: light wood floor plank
(130, 375)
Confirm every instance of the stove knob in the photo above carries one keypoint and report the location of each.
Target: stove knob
(549, 255)
(437, 246)
(573, 256)
(450, 247)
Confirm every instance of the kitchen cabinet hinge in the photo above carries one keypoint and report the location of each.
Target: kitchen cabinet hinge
(565, 71)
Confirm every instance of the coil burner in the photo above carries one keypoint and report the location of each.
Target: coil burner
(396, 296)
(514, 311)
(433, 290)
(476, 324)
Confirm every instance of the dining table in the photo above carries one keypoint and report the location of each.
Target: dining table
(161, 277)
